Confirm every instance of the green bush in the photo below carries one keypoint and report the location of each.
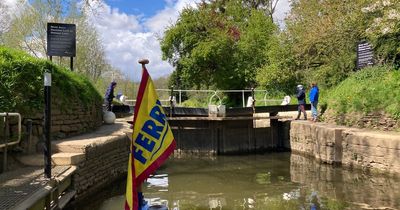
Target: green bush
(22, 86)
(371, 90)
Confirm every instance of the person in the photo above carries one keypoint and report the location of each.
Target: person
(314, 94)
(301, 98)
(108, 98)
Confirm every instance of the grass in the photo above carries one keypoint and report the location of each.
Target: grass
(371, 90)
(21, 83)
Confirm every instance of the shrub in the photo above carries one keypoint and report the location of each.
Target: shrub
(21, 83)
(371, 90)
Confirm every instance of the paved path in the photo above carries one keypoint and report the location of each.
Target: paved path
(24, 184)
(19, 185)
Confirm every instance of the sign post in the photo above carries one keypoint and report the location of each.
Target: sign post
(61, 41)
(47, 124)
(365, 55)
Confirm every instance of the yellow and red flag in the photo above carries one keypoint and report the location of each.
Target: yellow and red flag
(152, 139)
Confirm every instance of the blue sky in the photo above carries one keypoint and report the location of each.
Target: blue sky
(147, 8)
(131, 29)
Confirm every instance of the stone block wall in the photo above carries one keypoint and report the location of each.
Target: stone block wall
(372, 150)
(321, 141)
(65, 121)
(103, 164)
(378, 192)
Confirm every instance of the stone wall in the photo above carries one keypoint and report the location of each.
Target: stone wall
(368, 191)
(103, 163)
(348, 146)
(65, 121)
(377, 121)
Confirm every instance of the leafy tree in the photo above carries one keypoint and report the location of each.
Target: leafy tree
(276, 76)
(28, 31)
(4, 18)
(219, 44)
(384, 30)
(323, 36)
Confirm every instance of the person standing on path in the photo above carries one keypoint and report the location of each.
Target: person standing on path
(301, 98)
(314, 94)
(108, 98)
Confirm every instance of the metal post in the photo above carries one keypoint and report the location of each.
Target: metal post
(254, 100)
(47, 124)
(244, 105)
(72, 64)
(171, 101)
(5, 142)
(51, 58)
(180, 97)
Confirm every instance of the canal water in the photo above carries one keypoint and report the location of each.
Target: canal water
(270, 181)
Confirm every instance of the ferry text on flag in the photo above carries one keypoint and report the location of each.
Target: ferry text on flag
(152, 139)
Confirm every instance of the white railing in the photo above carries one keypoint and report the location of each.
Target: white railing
(4, 115)
(214, 94)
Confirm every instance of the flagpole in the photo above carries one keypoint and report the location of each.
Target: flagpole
(144, 62)
(139, 185)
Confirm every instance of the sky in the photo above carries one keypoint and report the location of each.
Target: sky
(131, 29)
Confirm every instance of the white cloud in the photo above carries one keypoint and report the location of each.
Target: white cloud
(127, 38)
(281, 11)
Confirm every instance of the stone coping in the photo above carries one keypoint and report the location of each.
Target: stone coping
(107, 132)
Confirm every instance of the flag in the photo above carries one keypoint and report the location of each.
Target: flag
(152, 139)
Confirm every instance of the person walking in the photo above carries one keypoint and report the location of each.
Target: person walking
(301, 98)
(314, 94)
(108, 98)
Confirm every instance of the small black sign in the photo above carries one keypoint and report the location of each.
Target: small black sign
(61, 39)
(365, 55)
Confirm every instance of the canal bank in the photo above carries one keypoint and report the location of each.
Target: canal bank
(376, 151)
(100, 158)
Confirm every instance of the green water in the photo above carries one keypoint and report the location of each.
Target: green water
(271, 181)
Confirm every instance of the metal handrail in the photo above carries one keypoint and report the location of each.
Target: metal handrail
(214, 94)
(4, 114)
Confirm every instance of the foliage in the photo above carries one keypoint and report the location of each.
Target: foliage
(384, 30)
(323, 36)
(218, 45)
(276, 76)
(371, 90)
(21, 83)
(27, 31)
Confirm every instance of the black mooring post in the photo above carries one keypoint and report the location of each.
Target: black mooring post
(72, 64)
(47, 124)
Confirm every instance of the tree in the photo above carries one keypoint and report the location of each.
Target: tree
(4, 19)
(323, 36)
(219, 44)
(28, 31)
(384, 30)
(268, 6)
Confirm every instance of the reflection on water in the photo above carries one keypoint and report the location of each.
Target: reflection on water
(271, 181)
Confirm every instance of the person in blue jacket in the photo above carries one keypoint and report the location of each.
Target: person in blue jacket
(108, 98)
(314, 94)
(301, 98)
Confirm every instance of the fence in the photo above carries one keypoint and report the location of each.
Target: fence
(214, 95)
